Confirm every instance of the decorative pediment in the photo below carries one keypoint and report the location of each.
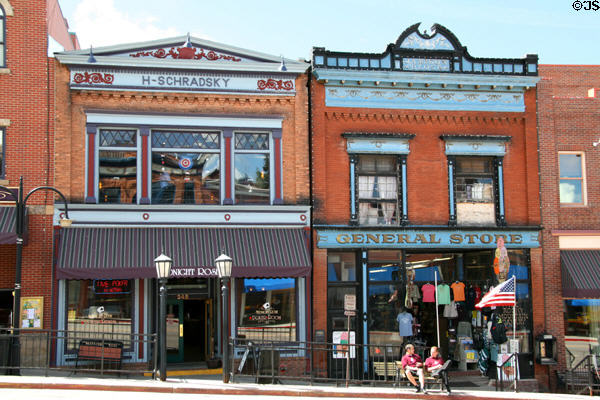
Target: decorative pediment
(440, 39)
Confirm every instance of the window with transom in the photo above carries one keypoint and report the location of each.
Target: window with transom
(377, 190)
(117, 166)
(252, 165)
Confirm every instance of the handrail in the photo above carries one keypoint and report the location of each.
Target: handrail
(516, 363)
(581, 375)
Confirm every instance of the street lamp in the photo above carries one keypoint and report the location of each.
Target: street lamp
(20, 207)
(163, 270)
(224, 264)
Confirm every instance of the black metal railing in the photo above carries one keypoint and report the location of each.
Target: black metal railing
(269, 361)
(584, 376)
(36, 352)
(510, 369)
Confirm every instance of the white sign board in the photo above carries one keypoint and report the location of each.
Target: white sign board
(341, 344)
(350, 302)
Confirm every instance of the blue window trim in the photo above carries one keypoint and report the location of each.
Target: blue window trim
(3, 143)
(3, 40)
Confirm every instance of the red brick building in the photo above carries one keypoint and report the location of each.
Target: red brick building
(422, 158)
(191, 148)
(568, 120)
(27, 142)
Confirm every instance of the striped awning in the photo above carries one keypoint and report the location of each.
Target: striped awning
(8, 233)
(580, 273)
(127, 253)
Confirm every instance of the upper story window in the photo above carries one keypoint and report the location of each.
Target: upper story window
(377, 190)
(2, 37)
(475, 197)
(117, 166)
(186, 167)
(252, 168)
(572, 178)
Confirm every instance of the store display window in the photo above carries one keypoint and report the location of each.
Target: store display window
(99, 307)
(582, 328)
(267, 309)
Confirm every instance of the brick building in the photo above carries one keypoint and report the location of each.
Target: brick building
(191, 148)
(423, 157)
(27, 142)
(568, 120)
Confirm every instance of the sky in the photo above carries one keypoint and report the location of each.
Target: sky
(552, 29)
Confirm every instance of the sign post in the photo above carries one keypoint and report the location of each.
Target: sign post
(349, 311)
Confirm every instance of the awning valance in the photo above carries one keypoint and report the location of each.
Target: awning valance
(127, 253)
(580, 273)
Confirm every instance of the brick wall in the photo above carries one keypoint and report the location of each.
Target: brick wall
(25, 101)
(567, 121)
(70, 129)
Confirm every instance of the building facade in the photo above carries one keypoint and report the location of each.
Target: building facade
(424, 160)
(191, 148)
(26, 149)
(569, 114)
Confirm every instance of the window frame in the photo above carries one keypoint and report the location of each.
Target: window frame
(138, 159)
(474, 175)
(272, 166)
(219, 151)
(583, 180)
(396, 173)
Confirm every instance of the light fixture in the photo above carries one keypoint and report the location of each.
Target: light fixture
(224, 264)
(163, 266)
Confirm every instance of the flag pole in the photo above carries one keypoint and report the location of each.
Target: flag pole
(437, 316)
(515, 309)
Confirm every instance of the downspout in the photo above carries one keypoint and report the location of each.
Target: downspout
(311, 202)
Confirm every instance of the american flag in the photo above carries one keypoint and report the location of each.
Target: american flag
(501, 295)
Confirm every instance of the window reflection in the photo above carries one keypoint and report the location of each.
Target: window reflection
(185, 178)
(117, 181)
(252, 178)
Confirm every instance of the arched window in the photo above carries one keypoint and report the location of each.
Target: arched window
(2, 37)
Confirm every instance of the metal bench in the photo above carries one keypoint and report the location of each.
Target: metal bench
(110, 351)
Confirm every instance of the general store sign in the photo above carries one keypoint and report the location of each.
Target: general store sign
(181, 81)
(411, 239)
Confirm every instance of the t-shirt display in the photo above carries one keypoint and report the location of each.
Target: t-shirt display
(405, 321)
(458, 289)
(428, 293)
(443, 292)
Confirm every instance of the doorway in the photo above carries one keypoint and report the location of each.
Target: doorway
(6, 306)
(190, 336)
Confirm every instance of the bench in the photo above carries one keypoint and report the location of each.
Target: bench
(385, 369)
(100, 350)
(430, 380)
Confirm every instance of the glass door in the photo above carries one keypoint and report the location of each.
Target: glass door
(174, 330)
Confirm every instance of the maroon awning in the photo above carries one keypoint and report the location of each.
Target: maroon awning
(126, 253)
(580, 273)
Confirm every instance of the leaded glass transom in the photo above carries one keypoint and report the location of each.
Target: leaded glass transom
(185, 140)
(117, 138)
(252, 141)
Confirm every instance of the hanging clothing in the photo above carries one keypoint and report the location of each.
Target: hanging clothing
(443, 292)
(405, 321)
(458, 289)
(477, 290)
(413, 292)
(428, 293)
(450, 310)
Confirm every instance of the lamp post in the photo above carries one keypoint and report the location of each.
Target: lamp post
(224, 264)
(163, 270)
(20, 206)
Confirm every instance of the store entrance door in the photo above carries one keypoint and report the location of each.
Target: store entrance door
(190, 335)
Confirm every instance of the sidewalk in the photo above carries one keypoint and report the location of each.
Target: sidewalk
(209, 386)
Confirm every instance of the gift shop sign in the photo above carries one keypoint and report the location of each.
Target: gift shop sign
(425, 238)
(181, 81)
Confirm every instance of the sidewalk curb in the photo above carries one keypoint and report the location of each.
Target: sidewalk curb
(234, 391)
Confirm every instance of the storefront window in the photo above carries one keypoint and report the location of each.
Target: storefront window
(582, 328)
(99, 309)
(267, 309)
(186, 167)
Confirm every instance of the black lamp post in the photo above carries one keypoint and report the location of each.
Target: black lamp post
(163, 270)
(20, 206)
(224, 264)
